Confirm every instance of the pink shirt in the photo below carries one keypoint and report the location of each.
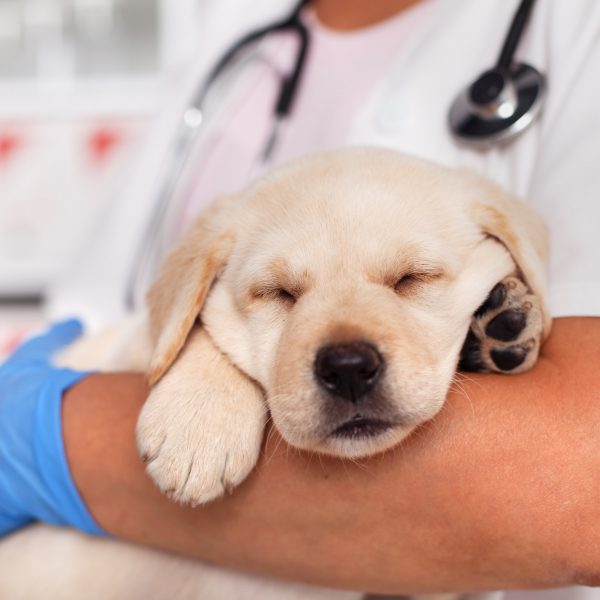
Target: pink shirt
(341, 70)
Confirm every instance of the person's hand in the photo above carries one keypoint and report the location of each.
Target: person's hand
(35, 482)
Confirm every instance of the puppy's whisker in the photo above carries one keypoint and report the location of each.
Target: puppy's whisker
(345, 464)
(321, 462)
(458, 387)
(309, 461)
(465, 377)
(275, 450)
(267, 441)
(361, 465)
(459, 379)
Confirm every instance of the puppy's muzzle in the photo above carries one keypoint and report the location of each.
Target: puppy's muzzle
(348, 370)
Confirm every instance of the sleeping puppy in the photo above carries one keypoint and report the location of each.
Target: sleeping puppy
(334, 295)
(337, 296)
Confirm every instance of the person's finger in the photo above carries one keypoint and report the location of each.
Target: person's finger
(45, 345)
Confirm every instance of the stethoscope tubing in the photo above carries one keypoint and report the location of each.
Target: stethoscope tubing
(192, 123)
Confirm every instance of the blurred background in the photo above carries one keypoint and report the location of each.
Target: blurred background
(79, 81)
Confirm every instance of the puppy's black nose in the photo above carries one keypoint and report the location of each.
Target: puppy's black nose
(348, 370)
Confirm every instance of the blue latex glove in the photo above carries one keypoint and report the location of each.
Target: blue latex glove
(35, 482)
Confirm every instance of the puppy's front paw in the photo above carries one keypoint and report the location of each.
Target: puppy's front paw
(201, 428)
(195, 449)
(505, 331)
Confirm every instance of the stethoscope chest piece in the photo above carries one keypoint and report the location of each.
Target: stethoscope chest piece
(499, 105)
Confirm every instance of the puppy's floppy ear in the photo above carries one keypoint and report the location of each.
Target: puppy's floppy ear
(176, 297)
(507, 219)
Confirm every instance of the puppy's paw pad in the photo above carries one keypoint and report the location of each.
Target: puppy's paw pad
(507, 325)
(505, 330)
(507, 359)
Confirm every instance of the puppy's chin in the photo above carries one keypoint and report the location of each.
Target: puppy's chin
(358, 446)
(356, 440)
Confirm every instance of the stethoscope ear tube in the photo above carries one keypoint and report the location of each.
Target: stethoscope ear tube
(289, 86)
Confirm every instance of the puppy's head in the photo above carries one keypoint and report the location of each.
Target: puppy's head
(344, 284)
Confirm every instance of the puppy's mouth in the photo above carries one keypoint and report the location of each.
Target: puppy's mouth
(359, 427)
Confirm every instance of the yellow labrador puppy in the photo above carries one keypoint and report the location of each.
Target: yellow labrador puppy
(334, 295)
(337, 295)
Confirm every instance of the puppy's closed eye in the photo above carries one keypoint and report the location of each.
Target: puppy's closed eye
(411, 281)
(276, 292)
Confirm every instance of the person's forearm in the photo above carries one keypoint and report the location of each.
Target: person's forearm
(501, 490)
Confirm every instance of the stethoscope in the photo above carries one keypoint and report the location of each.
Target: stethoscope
(504, 100)
(499, 105)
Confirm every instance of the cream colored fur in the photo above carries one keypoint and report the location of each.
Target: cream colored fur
(337, 232)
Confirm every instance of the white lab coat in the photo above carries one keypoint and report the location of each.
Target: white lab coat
(553, 165)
